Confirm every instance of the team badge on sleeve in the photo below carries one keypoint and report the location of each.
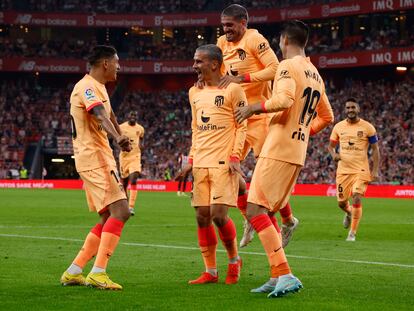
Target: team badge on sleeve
(262, 47)
(241, 103)
(90, 94)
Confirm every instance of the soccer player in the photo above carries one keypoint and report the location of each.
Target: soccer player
(301, 109)
(217, 143)
(354, 135)
(130, 162)
(92, 121)
(182, 181)
(250, 61)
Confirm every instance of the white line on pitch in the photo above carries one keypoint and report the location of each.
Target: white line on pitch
(196, 248)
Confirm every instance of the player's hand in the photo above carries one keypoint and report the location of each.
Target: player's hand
(199, 84)
(226, 80)
(374, 177)
(184, 172)
(337, 157)
(124, 143)
(234, 167)
(243, 113)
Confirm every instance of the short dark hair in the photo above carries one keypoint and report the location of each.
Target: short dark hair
(213, 51)
(237, 11)
(99, 52)
(296, 31)
(352, 100)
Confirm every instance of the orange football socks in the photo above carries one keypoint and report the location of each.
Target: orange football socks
(228, 237)
(90, 246)
(132, 196)
(272, 245)
(111, 233)
(207, 240)
(356, 217)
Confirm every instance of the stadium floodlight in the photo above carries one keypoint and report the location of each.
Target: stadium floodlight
(58, 160)
(401, 68)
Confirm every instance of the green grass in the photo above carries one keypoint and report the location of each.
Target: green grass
(155, 278)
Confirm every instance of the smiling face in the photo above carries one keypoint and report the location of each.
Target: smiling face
(352, 110)
(111, 66)
(233, 28)
(203, 65)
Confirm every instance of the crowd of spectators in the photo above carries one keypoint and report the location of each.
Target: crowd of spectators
(140, 7)
(105, 6)
(31, 111)
(181, 47)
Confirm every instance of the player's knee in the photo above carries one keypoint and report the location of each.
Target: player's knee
(220, 220)
(342, 204)
(203, 219)
(120, 210)
(356, 198)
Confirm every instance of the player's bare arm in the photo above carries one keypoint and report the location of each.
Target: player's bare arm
(184, 172)
(332, 150)
(101, 115)
(375, 160)
(115, 122)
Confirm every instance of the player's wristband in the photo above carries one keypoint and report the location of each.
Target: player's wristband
(246, 77)
(190, 161)
(234, 158)
(263, 106)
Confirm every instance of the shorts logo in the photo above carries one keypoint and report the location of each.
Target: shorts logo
(360, 134)
(241, 104)
(284, 73)
(242, 54)
(203, 118)
(219, 101)
(90, 94)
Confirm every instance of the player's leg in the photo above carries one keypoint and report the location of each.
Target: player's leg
(207, 241)
(207, 238)
(271, 186)
(289, 224)
(358, 190)
(248, 230)
(281, 279)
(73, 275)
(223, 195)
(343, 194)
(179, 186)
(133, 178)
(110, 194)
(184, 185)
(227, 233)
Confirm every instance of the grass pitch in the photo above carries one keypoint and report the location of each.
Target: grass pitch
(42, 230)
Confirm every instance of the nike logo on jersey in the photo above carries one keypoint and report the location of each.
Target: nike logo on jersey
(215, 198)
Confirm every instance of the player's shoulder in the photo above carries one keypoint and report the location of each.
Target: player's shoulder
(367, 124)
(221, 41)
(123, 124)
(234, 88)
(341, 124)
(252, 33)
(193, 90)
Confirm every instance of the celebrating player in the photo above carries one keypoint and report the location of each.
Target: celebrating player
(302, 109)
(92, 120)
(130, 162)
(353, 174)
(251, 62)
(217, 143)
